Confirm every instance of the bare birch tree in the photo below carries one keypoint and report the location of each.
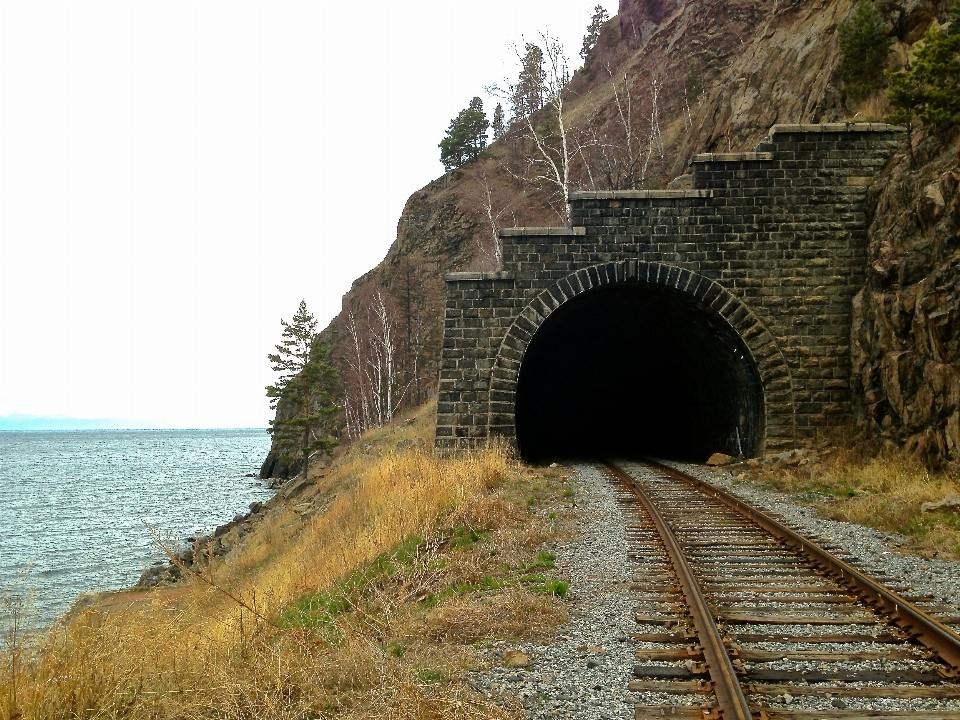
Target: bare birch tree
(654, 137)
(551, 163)
(538, 111)
(616, 155)
(373, 391)
(489, 204)
(382, 362)
(356, 401)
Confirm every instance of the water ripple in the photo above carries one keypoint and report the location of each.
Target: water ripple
(74, 504)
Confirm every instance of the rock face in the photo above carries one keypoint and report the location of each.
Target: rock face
(639, 19)
(906, 334)
(274, 467)
(729, 70)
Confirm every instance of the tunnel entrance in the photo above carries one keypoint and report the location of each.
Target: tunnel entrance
(632, 369)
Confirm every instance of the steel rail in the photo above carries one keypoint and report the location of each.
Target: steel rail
(923, 628)
(732, 703)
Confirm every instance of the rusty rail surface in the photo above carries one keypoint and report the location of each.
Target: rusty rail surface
(732, 703)
(923, 628)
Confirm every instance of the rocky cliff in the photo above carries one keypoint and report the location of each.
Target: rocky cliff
(722, 72)
(906, 337)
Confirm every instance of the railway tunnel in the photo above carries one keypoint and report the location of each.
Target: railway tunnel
(632, 369)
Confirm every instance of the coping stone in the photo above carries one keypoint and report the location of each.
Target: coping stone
(541, 231)
(639, 194)
(460, 276)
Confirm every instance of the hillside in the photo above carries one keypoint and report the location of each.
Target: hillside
(709, 76)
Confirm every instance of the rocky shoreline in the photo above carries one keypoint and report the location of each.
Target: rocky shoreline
(201, 549)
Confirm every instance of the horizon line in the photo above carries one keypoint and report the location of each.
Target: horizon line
(20, 422)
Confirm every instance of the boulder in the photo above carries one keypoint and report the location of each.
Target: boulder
(788, 458)
(515, 658)
(158, 575)
(718, 459)
(948, 503)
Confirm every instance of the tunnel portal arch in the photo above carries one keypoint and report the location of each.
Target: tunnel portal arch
(682, 309)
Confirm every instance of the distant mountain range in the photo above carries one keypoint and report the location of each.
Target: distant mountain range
(24, 423)
(59, 422)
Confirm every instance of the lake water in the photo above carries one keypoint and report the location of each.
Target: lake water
(74, 505)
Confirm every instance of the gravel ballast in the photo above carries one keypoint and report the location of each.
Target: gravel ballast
(585, 671)
(871, 551)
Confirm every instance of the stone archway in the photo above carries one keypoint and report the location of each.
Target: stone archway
(731, 316)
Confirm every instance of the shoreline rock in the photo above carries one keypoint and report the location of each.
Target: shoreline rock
(215, 545)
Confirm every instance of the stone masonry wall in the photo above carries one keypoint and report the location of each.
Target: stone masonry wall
(773, 240)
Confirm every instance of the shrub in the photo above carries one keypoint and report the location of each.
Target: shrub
(864, 41)
(929, 86)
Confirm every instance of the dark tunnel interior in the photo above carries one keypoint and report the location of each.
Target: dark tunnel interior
(637, 369)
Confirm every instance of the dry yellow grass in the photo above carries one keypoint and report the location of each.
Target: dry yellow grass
(364, 602)
(873, 108)
(884, 492)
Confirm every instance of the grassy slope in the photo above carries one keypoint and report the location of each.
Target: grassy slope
(366, 594)
(886, 492)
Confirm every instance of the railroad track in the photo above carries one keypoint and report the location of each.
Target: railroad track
(744, 619)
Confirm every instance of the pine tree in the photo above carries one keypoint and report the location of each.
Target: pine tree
(306, 389)
(466, 136)
(293, 352)
(498, 125)
(599, 17)
(527, 96)
(929, 86)
(864, 41)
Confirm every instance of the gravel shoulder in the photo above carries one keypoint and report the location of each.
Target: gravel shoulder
(584, 673)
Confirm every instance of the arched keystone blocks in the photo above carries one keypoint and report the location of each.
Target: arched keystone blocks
(771, 365)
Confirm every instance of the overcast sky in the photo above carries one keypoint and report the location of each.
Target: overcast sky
(175, 176)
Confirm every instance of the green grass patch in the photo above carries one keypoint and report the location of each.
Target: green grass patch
(545, 585)
(556, 587)
(464, 538)
(430, 676)
(545, 561)
(317, 610)
(394, 649)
